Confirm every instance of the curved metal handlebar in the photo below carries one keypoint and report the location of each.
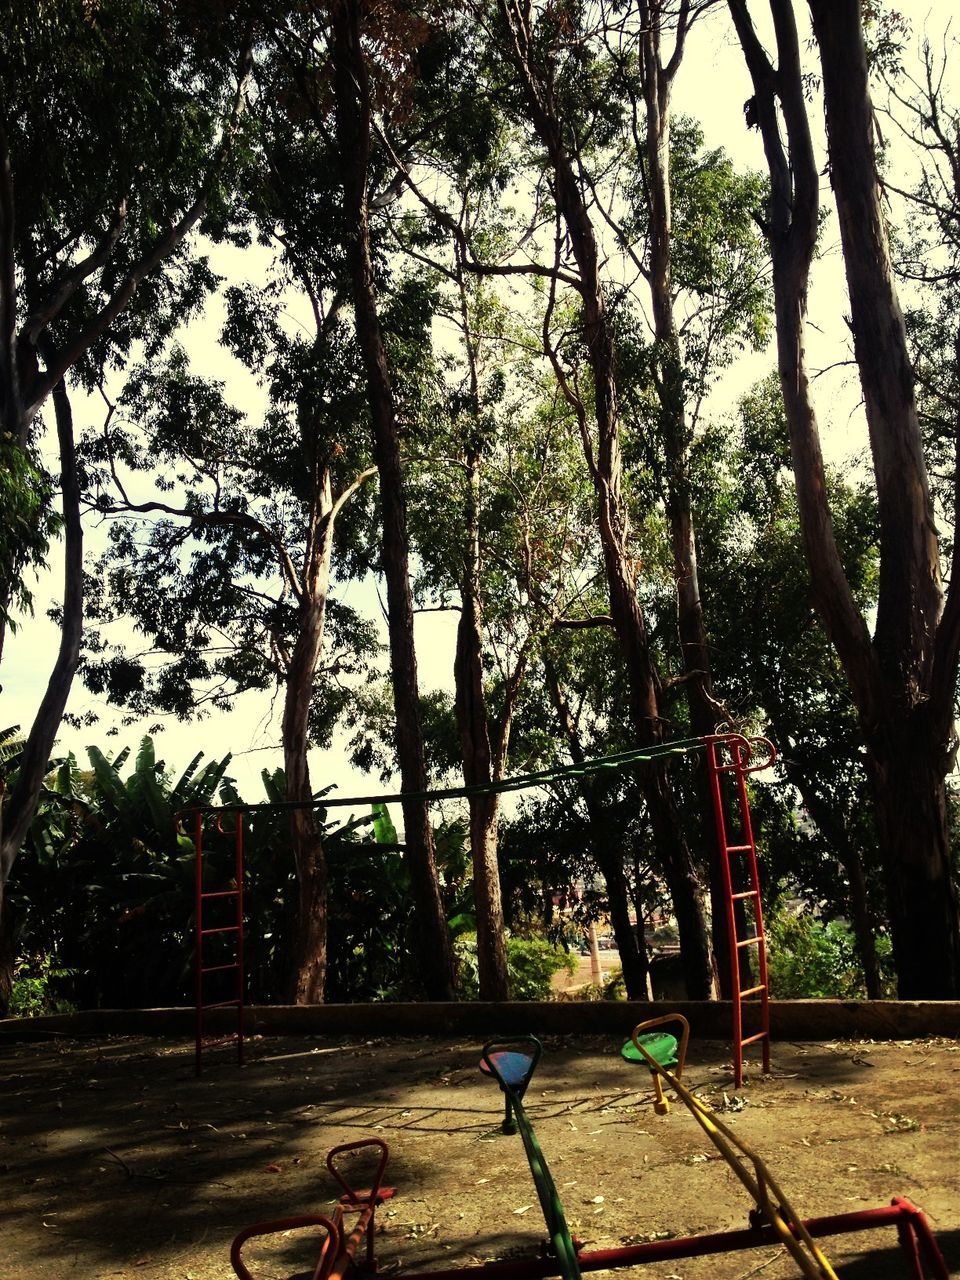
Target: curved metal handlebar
(355, 1198)
(229, 831)
(747, 746)
(331, 1244)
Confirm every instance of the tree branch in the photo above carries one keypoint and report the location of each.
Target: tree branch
(241, 519)
(34, 762)
(350, 490)
(160, 250)
(449, 223)
(61, 292)
(581, 624)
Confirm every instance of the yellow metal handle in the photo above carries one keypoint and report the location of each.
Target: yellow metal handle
(759, 1181)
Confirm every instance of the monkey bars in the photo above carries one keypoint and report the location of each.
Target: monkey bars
(729, 756)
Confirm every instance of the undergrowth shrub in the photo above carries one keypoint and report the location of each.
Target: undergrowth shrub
(37, 989)
(807, 958)
(531, 963)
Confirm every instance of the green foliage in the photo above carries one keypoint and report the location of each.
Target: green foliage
(612, 988)
(384, 832)
(113, 115)
(772, 657)
(27, 523)
(105, 891)
(36, 989)
(531, 963)
(207, 582)
(807, 958)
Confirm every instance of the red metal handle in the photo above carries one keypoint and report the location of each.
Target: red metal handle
(356, 1198)
(329, 1251)
(745, 746)
(229, 831)
(765, 764)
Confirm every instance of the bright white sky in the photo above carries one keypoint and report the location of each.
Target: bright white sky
(712, 86)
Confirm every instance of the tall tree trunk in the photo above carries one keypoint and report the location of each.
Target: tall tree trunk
(309, 959)
(916, 639)
(353, 110)
(17, 809)
(8, 954)
(910, 803)
(676, 439)
(605, 466)
(478, 764)
(903, 683)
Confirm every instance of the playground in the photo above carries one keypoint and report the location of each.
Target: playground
(119, 1162)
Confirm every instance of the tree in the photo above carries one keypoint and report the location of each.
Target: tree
(518, 522)
(353, 93)
(531, 52)
(248, 607)
(902, 679)
(691, 235)
(778, 669)
(106, 891)
(83, 232)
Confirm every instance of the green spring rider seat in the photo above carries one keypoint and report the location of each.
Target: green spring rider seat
(665, 1049)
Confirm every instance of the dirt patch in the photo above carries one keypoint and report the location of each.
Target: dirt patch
(118, 1162)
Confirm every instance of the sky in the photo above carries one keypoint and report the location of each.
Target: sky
(712, 86)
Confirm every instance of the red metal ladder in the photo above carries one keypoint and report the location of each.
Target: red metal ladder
(213, 922)
(730, 755)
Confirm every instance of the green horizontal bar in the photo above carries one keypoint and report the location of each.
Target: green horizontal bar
(519, 782)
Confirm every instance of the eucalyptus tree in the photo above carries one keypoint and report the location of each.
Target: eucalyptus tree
(116, 130)
(239, 542)
(697, 296)
(566, 95)
(227, 569)
(776, 664)
(607, 828)
(370, 71)
(337, 61)
(903, 677)
(515, 510)
(690, 234)
(507, 533)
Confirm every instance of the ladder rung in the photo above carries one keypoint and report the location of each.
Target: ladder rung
(226, 928)
(752, 991)
(221, 893)
(739, 848)
(748, 942)
(218, 968)
(761, 1035)
(747, 893)
(222, 1004)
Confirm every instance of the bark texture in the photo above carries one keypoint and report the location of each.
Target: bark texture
(902, 682)
(309, 962)
(353, 111)
(604, 460)
(18, 807)
(676, 438)
(483, 759)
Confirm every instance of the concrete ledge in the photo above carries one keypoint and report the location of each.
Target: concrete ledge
(789, 1020)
